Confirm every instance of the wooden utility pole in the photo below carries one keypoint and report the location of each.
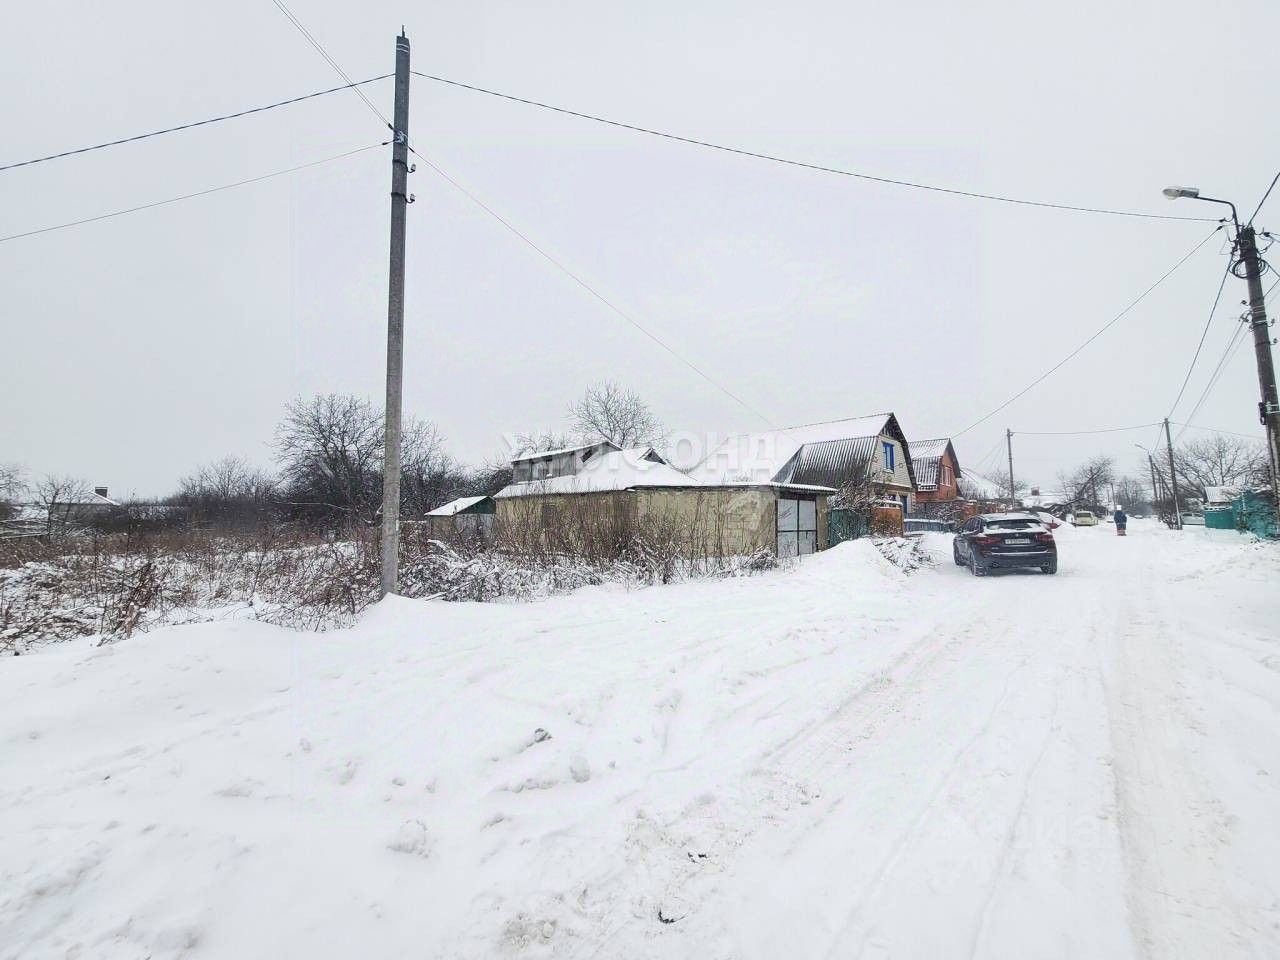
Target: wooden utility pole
(1269, 406)
(1008, 439)
(1173, 478)
(395, 324)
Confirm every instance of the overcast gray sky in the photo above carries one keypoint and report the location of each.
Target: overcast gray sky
(139, 347)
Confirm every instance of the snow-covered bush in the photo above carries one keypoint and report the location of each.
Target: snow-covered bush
(905, 553)
(111, 586)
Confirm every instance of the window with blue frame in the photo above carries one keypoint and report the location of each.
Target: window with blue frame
(887, 447)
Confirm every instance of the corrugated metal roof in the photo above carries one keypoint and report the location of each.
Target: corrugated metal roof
(616, 470)
(455, 506)
(762, 457)
(926, 455)
(544, 454)
(831, 463)
(823, 454)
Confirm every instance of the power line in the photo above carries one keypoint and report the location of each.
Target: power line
(802, 164)
(1204, 333)
(310, 38)
(1105, 327)
(1230, 433)
(198, 123)
(1228, 354)
(1080, 433)
(1264, 198)
(592, 290)
(1233, 344)
(186, 196)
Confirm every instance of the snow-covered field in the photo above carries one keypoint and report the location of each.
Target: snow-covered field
(829, 760)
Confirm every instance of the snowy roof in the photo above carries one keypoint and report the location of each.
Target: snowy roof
(808, 454)
(543, 454)
(925, 456)
(1221, 494)
(455, 506)
(616, 470)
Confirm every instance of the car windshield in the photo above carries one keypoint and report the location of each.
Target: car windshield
(1013, 523)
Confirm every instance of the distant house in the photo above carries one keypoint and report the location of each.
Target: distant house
(83, 509)
(465, 516)
(937, 470)
(545, 464)
(830, 454)
(589, 491)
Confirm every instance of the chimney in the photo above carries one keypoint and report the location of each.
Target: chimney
(101, 491)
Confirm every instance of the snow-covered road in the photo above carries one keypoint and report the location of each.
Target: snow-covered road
(833, 760)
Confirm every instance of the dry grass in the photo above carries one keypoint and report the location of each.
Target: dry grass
(109, 586)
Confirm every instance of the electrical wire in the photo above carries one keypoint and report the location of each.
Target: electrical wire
(1264, 198)
(310, 38)
(1105, 327)
(590, 289)
(1204, 333)
(1230, 433)
(802, 164)
(187, 196)
(1233, 345)
(1228, 354)
(198, 123)
(1080, 433)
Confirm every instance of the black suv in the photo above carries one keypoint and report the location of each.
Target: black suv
(1004, 540)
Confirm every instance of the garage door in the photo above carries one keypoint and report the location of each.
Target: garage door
(797, 527)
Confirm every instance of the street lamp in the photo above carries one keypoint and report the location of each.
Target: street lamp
(1193, 193)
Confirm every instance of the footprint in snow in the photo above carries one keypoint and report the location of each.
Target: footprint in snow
(413, 838)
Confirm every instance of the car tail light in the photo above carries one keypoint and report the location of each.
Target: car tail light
(986, 540)
(1045, 537)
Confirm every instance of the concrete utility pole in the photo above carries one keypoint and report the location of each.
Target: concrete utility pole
(1173, 478)
(395, 324)
(1155, 492)
(1269, 407)
(1008, 439)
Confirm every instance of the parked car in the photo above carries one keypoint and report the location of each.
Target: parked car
(916, 526)
(1084, 518)
(1004, 541)
(1193, 519)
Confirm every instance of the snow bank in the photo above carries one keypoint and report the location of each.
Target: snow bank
(826, 755)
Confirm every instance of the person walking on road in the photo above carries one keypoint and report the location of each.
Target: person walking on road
(1122, 521)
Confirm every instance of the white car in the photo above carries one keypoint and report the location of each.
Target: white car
(1084, 518)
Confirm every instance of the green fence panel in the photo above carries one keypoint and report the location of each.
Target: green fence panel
(1255, 513)
(845, 525)
(1220, 518)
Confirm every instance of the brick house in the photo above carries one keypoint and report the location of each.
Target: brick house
(937, 470)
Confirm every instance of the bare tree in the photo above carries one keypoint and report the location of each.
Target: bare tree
(541, 440)
(1220, 461)
(227, 491)
(1088, 485)
(428, 475)
(1132, 493)
(608, 411)
(64, 502)
(330, 453)
(13, 484)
